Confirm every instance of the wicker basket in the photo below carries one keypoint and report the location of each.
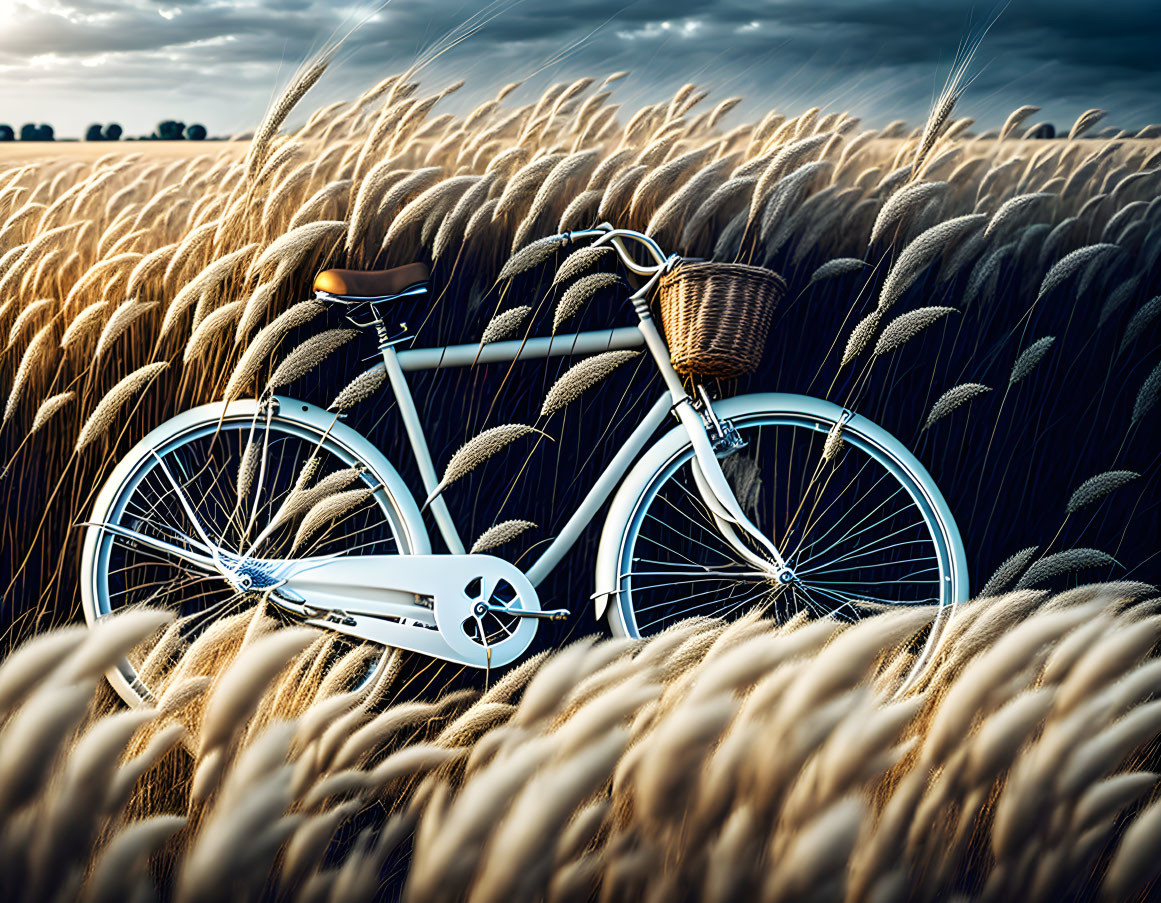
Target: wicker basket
(717, 315)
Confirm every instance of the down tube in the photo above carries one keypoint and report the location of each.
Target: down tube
(601, 490)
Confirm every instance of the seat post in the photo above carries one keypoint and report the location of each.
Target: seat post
(417, 438)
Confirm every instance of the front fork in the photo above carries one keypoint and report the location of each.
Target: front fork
(699, 421)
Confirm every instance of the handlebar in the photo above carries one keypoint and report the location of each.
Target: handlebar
(606, 234)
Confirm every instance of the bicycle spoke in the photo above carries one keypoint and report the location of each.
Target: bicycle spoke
(855, 532)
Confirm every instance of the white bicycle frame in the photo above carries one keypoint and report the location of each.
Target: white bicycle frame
(711, 482)
(396, 599)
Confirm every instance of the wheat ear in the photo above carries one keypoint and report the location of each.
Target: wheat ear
(110, 405)
(578, 293)
(308, 355)
(582, 376)
(952, 399)
(500, 533)
(360, 388)
(1096, 488)
(505, 325)
(908, 325)
(1030, 357)
(476, 451)
(1062, 563)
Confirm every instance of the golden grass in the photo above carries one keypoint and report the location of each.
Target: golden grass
(711, 762)
(720, 761)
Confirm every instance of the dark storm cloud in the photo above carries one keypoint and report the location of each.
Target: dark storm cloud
(880, 59)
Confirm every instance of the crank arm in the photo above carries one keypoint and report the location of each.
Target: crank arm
(552, 614)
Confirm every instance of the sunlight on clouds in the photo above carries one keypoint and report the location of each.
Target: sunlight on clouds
(651, 30)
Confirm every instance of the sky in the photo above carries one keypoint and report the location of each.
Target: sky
(220, 62)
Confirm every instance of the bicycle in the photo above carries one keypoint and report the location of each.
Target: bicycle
(196, 517)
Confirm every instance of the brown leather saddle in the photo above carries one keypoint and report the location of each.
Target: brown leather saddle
(373, 285)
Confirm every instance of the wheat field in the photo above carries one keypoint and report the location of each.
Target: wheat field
(713, 762)
(991, 297)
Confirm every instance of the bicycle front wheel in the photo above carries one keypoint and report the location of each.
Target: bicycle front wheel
(859, 520)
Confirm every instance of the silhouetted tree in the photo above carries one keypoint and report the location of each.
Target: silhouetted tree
(196, 132)
(93, 133)
(6, 133)
(32, 132)
(170, 130)
(112, 132)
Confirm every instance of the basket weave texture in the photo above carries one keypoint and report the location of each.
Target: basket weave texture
(716, 316)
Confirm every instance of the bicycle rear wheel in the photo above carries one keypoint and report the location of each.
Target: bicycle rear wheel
(864, 530)
(235, 484)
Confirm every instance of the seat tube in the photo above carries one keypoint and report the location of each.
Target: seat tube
(418, 440)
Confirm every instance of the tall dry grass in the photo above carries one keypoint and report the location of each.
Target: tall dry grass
(713, 761)
(716, 761)
(131, 288)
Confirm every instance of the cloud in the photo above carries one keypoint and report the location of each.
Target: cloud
(69, 61)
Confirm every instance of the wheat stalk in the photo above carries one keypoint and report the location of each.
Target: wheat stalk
(211, 328)
(478, 450)
(499, 534)
(862, 333)
(578, 293)
(1030, 357)
(1062, 563)
(30, 360)
(266, 341)
(292, 247)
(1139, 322)
(952, 399)
(1085, 121)
(304, 80)
(579, 261)
(1070, 264)
(1014, 119)
(907, 200)
(505, 324)
(530, 256)
(308, 355)
(327, 510)
(360, 388)
(1096, 488)
(836, 268)
(48, 407)
(110, 405)
(908, 325)
(1008, 571)
(126, 314)
(582, 376)
(84, 324)
(1147, 395)
(922, 251)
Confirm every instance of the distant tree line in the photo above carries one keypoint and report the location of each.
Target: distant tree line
(168, 130)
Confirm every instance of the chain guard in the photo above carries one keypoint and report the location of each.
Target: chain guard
(423, 603)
